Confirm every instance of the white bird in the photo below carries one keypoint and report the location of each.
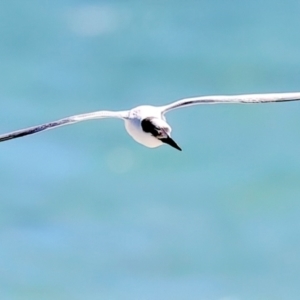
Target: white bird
(147, 124)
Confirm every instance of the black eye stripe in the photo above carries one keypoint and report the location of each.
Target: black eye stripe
(148, 126)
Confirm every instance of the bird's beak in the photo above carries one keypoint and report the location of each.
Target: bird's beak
(170, 142)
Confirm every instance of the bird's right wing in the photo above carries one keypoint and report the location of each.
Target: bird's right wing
(250, 98)
(62, 122)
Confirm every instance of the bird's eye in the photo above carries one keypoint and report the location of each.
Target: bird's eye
(166, 129)
(162, 133)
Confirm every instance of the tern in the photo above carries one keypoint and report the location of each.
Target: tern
(147, 124)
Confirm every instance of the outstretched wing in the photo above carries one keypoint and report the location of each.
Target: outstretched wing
(61, 122)
(251, 98)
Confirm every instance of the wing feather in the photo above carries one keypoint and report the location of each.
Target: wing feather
(247, 98)
(62, 122)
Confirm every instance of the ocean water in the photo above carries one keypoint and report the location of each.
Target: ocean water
(87, 213)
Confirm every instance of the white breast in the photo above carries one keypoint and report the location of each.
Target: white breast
(133, 127)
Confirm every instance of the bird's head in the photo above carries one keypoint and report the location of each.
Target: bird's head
(159, 129)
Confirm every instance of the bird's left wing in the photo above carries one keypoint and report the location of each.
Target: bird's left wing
(62, 122)
(248, 98)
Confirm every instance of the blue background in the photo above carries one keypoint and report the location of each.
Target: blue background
(87, 213)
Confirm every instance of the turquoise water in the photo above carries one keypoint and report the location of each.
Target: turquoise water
(87, 213)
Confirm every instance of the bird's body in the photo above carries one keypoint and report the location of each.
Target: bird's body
(147, 124)
(134, 127)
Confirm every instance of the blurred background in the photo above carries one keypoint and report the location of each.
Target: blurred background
(87, 213)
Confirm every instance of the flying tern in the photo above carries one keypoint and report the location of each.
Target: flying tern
(147, 124)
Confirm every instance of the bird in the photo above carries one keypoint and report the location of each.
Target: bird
(147, 124)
